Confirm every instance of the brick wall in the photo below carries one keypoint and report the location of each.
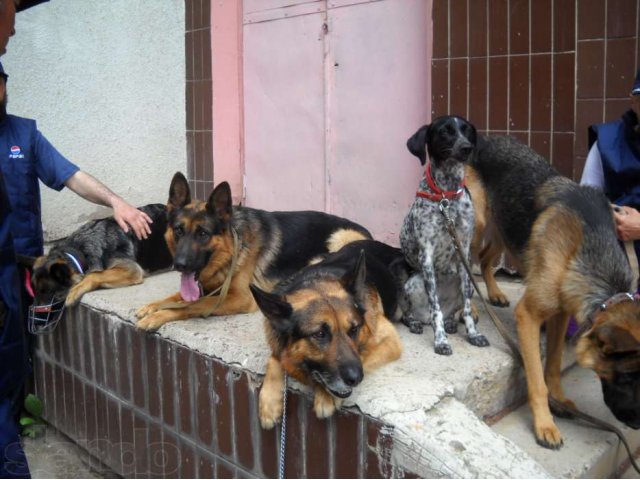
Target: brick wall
(149, 407)
(199, 97)
(541, 70)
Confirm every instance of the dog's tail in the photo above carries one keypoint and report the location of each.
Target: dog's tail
(342, 237)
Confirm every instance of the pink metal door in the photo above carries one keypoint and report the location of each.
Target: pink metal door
(332, 90)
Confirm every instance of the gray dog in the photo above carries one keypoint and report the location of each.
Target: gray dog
(441, 285)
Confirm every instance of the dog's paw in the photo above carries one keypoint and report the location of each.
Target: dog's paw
(75, 295)
(155, 320)
(443, 349)
(548, 436)
(146, 310)
(499, 300)
(478, 341)
(270, 410)
(324, 404)
(414, 325)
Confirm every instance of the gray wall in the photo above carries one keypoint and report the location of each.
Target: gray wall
(105, 81)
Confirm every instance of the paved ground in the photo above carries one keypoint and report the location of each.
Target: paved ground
(53, 455)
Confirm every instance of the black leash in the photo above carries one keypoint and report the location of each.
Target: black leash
(559, 407)
(451, 228)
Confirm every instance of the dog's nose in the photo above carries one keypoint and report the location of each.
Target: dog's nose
(466, 150)
(180, 264)
(351, 374)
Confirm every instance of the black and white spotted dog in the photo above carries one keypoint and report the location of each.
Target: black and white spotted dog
(441, 285)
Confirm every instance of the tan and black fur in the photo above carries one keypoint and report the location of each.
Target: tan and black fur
(328, 325)
(563, 238)
(271, 246)
(106, 257)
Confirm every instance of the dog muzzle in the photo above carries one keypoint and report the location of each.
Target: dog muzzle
(44, 317)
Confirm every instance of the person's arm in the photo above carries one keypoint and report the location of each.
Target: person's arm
(593, 174)
(125, 214)
(627, 223)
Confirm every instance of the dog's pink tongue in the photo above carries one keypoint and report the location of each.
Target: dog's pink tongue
(189, 289)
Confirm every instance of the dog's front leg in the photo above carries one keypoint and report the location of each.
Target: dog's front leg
(152, 307)
(325, 404)
(237, 301)
(385, 346)
(442, 346)
(122, 274)
(413, 298)
(547, 433)
(271, 394)
(556, 328)
(474, 337)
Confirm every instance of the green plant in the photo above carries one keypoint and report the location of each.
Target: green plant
(32, 422)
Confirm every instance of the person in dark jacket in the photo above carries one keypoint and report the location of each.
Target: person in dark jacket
(26, 157)
(14, 365)
(613, 164)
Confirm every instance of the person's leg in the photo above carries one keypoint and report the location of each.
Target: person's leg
(13, 462)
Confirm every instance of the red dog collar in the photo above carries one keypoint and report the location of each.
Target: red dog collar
(436, 193)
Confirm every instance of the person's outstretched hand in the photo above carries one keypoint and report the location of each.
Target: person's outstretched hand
(128, 216)
(627, 223)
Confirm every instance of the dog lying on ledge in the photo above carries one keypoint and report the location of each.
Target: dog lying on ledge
(97, 255)
(329, 325)
(217, 246)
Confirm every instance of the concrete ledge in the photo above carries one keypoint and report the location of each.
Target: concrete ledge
(481, 378)
(422, 415)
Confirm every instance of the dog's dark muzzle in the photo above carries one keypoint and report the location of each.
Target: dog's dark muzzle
(43, 316)
(465, 151)
(622, 396)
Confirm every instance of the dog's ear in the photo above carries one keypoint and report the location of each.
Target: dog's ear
(179, 193)
(219, 202)
(355, 281)
(417, 143)
(473, 136)
(277, 310)
(61, 273)
(615, 340)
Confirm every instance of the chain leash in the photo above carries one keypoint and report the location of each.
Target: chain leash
(283, 430)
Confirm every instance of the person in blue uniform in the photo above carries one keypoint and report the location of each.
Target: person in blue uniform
(13, 345)
(25, 158)
(613, 165)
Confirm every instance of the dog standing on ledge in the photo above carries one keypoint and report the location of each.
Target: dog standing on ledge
(441, 286)
(563, 237)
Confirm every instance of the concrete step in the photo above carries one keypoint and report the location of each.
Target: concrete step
(587, 452)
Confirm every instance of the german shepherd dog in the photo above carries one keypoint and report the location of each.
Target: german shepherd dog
(99, 255)
(329, 324)
(563, 237)
(214, 242)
